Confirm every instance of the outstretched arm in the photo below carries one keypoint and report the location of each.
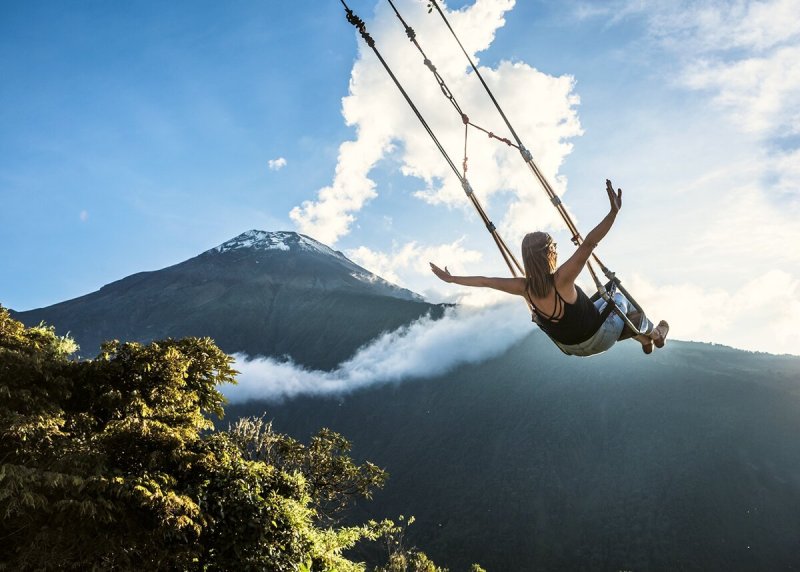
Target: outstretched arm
(569, 271)
(508, 285)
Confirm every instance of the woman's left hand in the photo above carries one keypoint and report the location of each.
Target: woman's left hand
(441, 274)
(614, 197)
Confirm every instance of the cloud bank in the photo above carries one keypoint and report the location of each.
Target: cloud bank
(541, 107)
(423, 349)
(760, 314)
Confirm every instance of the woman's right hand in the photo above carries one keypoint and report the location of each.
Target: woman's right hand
(441, 274)
(614, 197)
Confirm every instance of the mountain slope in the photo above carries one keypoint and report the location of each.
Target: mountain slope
(684, 460)
(261, 293)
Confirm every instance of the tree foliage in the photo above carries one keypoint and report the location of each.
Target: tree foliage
(334, 481)
(113, 463)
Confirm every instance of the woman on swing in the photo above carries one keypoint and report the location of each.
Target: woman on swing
(560, 307)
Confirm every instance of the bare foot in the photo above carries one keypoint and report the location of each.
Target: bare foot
(659, 334)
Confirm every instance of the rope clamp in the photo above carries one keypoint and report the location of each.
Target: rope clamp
(556, 200)
(525, 154)
(490, 226)
(467, 187)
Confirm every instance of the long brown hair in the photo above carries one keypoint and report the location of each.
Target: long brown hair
(539, 260)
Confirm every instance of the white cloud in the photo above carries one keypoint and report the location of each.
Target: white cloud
(745, 52)
(784, 168)
(408, 266)
(723, 26)
(276, 164)
(426, 348)
(759, 315)
(409, 261)
(541, 107)
(762, 92)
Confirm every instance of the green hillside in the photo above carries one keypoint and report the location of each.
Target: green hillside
(685, 460)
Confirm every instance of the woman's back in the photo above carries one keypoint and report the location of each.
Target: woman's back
(567, 319)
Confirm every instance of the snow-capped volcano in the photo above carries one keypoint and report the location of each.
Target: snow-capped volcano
(261, 293)
(297, 257)
(280, 240)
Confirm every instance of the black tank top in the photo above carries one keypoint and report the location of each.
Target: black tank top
(579, 322)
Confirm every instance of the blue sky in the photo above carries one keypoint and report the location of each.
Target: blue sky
(136, 135)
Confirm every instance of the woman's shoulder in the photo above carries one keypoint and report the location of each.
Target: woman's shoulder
(565, 286)
(561, 279)
(520, 285)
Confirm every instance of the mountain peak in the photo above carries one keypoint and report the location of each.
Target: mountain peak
(325, 267)
(281, 240)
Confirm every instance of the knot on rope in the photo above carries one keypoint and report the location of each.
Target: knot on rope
(360, 26)
(505, 140)
(412, 35)
(429, 64)
(465, 119)
(576, 239)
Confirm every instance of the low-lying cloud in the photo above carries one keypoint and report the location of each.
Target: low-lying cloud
(426, 348)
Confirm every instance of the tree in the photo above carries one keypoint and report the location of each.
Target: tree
(334, 481)
(113, 463)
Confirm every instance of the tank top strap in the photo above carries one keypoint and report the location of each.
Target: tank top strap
(558, 308)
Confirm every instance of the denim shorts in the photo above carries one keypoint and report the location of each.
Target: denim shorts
(606, 336)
